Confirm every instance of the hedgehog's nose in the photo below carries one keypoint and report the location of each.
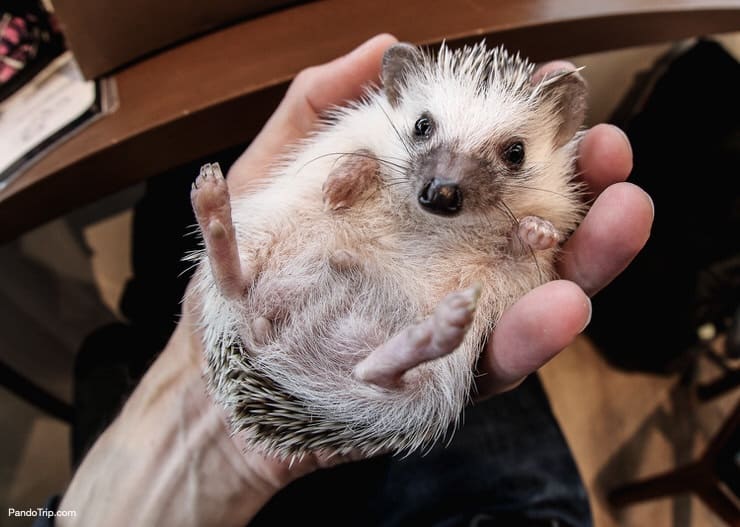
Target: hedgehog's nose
(440, 197)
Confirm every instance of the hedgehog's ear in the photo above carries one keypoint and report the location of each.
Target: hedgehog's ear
(565, 91)
(397, 61)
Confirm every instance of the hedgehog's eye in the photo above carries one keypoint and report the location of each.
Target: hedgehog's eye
(423, 127)
(514, 154)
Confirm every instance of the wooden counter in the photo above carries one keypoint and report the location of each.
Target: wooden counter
(217, 91)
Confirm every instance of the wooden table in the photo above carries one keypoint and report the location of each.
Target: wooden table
(217, 91)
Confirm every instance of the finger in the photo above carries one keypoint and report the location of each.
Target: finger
(605, 154)
(604, 157)
(615, 229)
(344, 78)
(316, 89)
(313, 91)
(531, 332)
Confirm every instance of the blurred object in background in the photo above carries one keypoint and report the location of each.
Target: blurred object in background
(683, 120)
(106, 36)
(47, 110)
(29, 40)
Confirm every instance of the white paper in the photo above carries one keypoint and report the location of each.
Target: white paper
(54, 98)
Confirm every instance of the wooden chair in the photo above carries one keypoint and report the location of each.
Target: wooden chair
(714, 477)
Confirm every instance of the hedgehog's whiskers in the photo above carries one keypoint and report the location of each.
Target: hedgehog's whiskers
(395, 129)
(503, 207)
(527, 187)
(396, 167)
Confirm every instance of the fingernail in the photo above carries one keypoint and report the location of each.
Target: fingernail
(362, 48)
(652, 203)
(624, 136)
(590, 312)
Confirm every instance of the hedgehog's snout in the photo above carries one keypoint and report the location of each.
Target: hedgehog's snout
(441, 197)
(444, 172)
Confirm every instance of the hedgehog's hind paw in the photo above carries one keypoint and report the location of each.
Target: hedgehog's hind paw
(431, 339)
(212, 206)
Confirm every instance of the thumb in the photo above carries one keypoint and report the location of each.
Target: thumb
(313, 91)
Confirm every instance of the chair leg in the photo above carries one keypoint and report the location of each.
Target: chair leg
(684, 479)
(35, 395)
(719, 503)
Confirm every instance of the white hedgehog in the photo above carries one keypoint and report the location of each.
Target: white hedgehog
(345, 303)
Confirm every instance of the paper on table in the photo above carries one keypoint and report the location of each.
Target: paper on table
(33, 117)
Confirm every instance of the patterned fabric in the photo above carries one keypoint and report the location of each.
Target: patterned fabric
(28, 41)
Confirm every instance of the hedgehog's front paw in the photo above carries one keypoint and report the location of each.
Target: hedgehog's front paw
(353, 177)
(431, 339)
(536, 233)
(212, 206)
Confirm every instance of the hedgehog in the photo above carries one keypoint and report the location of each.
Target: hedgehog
(345, 302)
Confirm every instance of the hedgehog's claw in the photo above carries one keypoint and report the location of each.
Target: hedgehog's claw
(433, 338)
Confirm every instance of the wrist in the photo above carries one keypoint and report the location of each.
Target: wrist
(168, 458)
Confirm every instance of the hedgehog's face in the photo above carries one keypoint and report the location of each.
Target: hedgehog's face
(476, 128)
(451, 175)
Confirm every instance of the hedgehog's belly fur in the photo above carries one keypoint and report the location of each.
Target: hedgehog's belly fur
(294, 391)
